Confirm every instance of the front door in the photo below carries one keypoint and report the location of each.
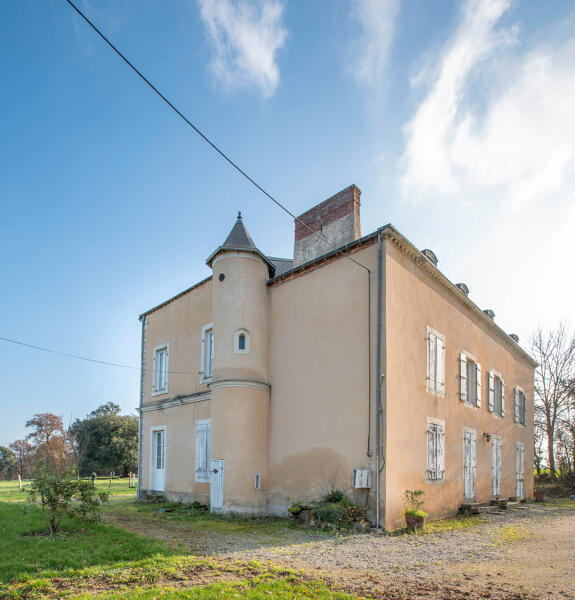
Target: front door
(469, 439)
(217, 485)
(519, 460)
(496, 467)
(159, 460)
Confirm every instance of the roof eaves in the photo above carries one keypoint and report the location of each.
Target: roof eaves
(183, 293)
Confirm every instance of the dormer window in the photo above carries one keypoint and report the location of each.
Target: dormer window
(241, 342)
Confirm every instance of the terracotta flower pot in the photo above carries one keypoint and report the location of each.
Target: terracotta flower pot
(413, 522)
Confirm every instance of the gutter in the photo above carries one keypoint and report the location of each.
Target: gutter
(140, 442)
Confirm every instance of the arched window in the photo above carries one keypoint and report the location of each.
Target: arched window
(241, 342)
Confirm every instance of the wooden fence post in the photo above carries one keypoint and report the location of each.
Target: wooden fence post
(19, 483)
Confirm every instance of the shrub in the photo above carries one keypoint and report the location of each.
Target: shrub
(59, 496)
(414, 499)
(337, 513)
(335, 496)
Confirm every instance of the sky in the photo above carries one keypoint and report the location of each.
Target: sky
(456, 120)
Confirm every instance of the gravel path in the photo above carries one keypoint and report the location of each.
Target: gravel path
(390, 554)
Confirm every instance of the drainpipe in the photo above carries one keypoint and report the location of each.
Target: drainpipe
(378, 385)
(140, 411)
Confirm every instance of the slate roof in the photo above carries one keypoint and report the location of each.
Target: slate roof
(239, 237)
(282, 265)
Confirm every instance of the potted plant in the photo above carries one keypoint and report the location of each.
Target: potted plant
(414, 516)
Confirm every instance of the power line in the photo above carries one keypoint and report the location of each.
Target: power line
(206, 139)
(93, 360)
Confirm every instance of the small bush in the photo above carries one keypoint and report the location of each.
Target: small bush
(335, 496)
(58, 496)
(416, 513)
(337, 513)
(414, 499)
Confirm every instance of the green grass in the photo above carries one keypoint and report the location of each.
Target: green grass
(119, 490)
(560, 503)
(441, 525)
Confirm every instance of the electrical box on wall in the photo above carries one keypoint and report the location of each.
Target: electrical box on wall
(361, 478)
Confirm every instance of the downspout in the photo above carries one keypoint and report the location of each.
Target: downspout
(378, 385)
(139, 494)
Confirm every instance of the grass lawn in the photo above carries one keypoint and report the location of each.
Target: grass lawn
(102, 561)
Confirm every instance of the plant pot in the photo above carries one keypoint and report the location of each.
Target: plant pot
(539, 496)
(412, 522)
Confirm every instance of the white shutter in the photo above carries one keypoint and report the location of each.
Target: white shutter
(431, 452)
(463, 377)
(478, 382)
(502, 397)
(440, 453)
(516, 408)
(440, 366)
(431, 361)
(473, 464)
(491, 397)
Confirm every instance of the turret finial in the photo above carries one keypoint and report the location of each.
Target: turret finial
(239, 215)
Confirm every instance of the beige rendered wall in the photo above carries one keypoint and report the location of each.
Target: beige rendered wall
(180, 324)
(414, 300)
(320, 378)
(180, 450)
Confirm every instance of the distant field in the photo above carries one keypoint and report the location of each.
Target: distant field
(119, 490)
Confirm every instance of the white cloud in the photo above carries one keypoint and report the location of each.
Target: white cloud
(245, 38)
(371, 50)
(494, 138)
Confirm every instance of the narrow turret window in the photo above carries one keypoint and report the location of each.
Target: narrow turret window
(242, 342)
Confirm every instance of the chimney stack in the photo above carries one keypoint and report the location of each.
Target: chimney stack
(334, 223)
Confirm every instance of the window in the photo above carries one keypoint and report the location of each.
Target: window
(203, 450)
(207, 351)
(241, 342)
(160, 379)
(469, 380)
(159, 449)
(435, 362)
(520, 406)
(435, 451)
(496, 394)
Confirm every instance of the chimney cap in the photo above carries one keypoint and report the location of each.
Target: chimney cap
(489, 313)
(514, 337)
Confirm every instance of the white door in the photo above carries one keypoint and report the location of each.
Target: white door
(519, 460)
(469, 464)
(217, 485)
(158, 460)
(496, 467)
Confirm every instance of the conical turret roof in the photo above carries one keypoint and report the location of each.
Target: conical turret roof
(239, 239)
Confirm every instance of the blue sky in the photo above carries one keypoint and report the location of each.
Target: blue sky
(455, 119)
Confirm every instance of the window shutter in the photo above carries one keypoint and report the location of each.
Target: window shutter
(431, 362)
(440, 453)
(491, 397)
(440, 366)
(201, 461)
(516, 407)
(431, 453)
(478, 382)
(208, 451)
(502, 397)
(462, 377)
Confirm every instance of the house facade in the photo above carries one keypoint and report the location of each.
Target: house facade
(356, 365)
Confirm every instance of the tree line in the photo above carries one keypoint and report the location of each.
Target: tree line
(102, 442)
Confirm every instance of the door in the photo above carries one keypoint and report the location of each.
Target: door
(159, 460)
(217, 485)
(496, 467)
(519, 460)
(469, 464)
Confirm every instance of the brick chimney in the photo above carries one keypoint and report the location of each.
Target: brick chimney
(335, 220)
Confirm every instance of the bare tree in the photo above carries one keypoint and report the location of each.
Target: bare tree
(24, 454)
(555, 353)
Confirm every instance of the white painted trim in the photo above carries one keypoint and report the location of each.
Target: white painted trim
(439, 423)
(520, 389)
(196, 479)
(164, 390)
(237, 334)
(495, 374)
(259, 385)
(206, 328)
(154, 428)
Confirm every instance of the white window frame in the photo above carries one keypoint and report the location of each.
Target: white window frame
(153, 430)
(246, 335)
(436, 464)
(205, 330)
(491, 376)
(157, 391)
(203, 478)
(464, 358)
(436, 380)
(516, 406)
